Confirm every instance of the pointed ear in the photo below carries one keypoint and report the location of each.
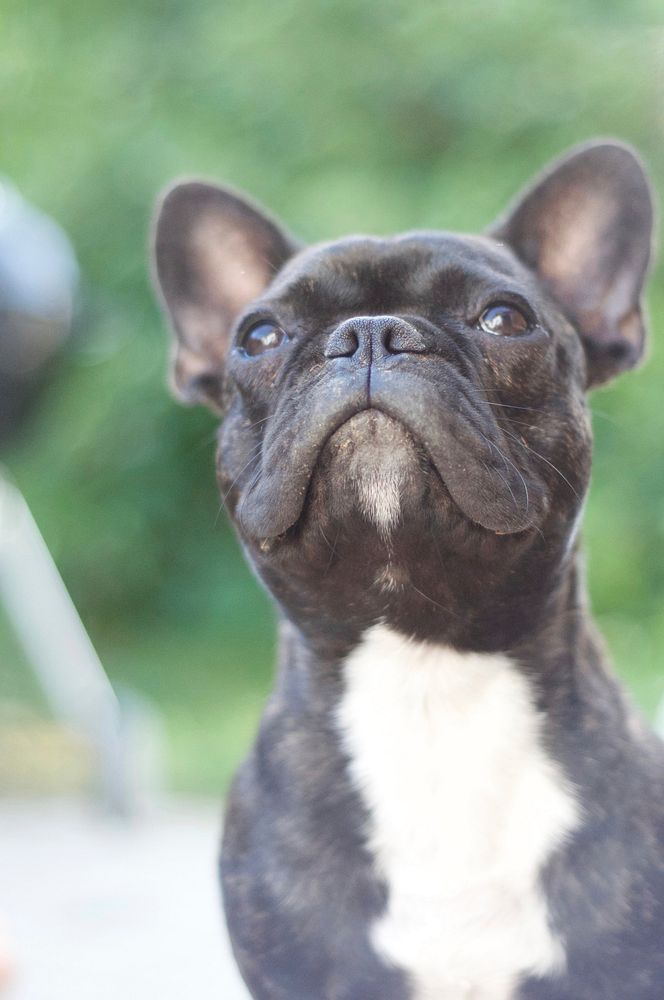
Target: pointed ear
(585, 226)
(214, 252)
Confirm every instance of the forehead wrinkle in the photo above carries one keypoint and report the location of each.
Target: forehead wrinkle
(348, 273)
(321, 288)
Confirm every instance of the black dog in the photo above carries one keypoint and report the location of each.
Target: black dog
(450, 797)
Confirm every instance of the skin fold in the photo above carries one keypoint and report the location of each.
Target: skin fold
(406, 447)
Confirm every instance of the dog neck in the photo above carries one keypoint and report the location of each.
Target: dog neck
(470, 769)
(561, 665)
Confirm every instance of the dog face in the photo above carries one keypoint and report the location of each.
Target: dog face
(405, 434)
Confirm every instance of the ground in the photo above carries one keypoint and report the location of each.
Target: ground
(105, 909)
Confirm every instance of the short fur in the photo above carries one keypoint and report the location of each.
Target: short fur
(465, 810)
(449, 795)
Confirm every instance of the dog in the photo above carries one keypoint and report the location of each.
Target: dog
(450, 796)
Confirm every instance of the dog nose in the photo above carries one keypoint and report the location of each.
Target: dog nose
(374, 337)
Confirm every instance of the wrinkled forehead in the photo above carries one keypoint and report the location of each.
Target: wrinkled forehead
(368, 272)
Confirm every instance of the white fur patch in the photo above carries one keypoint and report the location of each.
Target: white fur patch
(465, 810)
(379, 495)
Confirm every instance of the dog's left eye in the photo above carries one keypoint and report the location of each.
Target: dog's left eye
(261, 338)
(504, 320)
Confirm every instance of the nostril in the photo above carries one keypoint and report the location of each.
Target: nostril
(343, 343)
(372, 337)
(402, 338)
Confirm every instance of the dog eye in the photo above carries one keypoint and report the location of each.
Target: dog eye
(261, 338)
(503, 320)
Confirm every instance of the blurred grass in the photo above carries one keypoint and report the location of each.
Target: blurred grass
(340, 116)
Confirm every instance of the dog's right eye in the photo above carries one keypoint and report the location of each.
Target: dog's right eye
(262, 337)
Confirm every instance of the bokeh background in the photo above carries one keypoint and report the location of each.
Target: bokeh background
(340, 116)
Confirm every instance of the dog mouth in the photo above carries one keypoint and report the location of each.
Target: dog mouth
(374, 464)
(451, 431)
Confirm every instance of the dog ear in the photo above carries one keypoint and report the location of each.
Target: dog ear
(214, 252)
(585, 226)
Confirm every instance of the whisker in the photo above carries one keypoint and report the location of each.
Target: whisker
(509, 462)
(511, 491)
(253, 455)
(519, 423)
(257, 423)
(435, 603)
(255, 451)
(218, 514)
(248, 490)
(325, 538)
(510, 406)
(543, 459)
(481, 394)
(332, 552)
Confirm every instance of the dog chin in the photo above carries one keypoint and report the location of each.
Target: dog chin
(372, 465)
(379, 496)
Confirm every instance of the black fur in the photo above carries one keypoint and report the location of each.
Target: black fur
(385, 362)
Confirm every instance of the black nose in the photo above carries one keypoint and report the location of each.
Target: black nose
(373, 337)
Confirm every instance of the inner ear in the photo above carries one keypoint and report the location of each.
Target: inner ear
(214, 253)
(585, 226)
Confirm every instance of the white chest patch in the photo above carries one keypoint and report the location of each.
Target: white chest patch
(465, 809)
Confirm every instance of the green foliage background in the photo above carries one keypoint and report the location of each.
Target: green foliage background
(340, 116)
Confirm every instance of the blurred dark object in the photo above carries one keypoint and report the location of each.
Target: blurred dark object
(38, 279)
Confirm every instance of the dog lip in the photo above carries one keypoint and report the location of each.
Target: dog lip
(474, 464)
(291, 448)
(260, 529)
(369, 408)
(397, 417)
(489, 489)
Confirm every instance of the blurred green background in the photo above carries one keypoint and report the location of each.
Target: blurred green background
(339, 116)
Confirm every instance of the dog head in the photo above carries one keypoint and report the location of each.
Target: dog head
(405, 435)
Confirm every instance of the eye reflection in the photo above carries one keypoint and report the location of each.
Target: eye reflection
(504, 320)
(261, 338)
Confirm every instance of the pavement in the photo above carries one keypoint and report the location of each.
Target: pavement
(100, 909)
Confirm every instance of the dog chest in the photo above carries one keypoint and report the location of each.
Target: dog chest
(464, 810)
